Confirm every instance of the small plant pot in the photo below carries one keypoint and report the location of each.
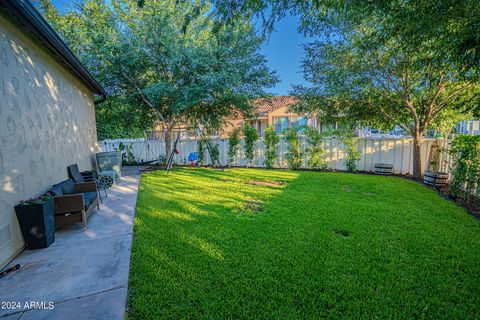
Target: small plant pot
(37, 223)
(435, 179)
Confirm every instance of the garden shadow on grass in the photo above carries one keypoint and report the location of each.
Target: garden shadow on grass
(193, 258)
(185, 224)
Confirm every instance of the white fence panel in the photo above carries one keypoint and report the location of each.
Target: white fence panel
(398, 152)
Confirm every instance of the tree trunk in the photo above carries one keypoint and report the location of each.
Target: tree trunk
(417, 163)
(168, 142)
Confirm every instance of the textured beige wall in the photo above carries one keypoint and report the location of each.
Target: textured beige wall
(47, 122)
(229, 125)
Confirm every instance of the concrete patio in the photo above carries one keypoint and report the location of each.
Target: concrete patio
(84, 274)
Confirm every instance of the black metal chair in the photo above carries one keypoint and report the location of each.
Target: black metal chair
(85, 176)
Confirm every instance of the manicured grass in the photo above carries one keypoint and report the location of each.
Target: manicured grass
(336, 245)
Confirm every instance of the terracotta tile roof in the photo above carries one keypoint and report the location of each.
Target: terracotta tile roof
(267, 105)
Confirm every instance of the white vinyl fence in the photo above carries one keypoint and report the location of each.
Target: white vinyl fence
(395, 151)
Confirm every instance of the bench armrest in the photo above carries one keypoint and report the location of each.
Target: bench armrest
(85, 187)
(68, 203)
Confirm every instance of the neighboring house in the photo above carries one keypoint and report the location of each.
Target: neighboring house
(275, 111)
(272, 111)
(47, 115)
(471, 127)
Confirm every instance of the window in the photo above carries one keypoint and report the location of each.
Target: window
(262, 126)
(256, 125)
(280, 123)
(299, 122)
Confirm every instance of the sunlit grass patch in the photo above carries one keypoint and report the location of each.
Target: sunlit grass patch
(207, 244)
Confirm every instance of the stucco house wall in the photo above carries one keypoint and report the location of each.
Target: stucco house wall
(47, 122)
(229, 126)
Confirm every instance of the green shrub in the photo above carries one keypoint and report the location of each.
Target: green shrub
(465, 153)
(352, 154)
(251, 135)
(294, 155)
(128, 158)
(233, 144)
(315, 151)
(214, 153)
(271, 141)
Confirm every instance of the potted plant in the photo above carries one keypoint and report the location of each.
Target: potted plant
(37, 221)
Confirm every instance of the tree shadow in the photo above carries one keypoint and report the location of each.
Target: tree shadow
(321, 246)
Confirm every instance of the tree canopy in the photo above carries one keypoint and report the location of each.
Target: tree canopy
(171, 57)
(370, 72)
(383, 63)
(453, 24)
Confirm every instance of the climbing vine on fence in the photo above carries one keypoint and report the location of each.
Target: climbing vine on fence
(294, 156)
(315, 150)
(465, 169)
(271, 141)
(233, 144)
(206, 144)
(352, 154)
(251, 136)
(214, 153)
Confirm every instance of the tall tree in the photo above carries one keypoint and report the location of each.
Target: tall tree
(453, 23)
(406, 63)
(373, 78)
(88, 27)
(172, 57)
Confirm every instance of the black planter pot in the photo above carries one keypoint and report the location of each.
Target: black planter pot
(37, 223)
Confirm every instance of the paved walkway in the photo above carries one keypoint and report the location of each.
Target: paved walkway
(84, 274)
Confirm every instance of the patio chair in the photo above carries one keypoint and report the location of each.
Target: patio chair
(85, 176)
(74, 202)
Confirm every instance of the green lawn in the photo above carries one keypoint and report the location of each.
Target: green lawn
(336, 245)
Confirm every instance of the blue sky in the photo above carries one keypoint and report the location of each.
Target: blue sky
(283, 52)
